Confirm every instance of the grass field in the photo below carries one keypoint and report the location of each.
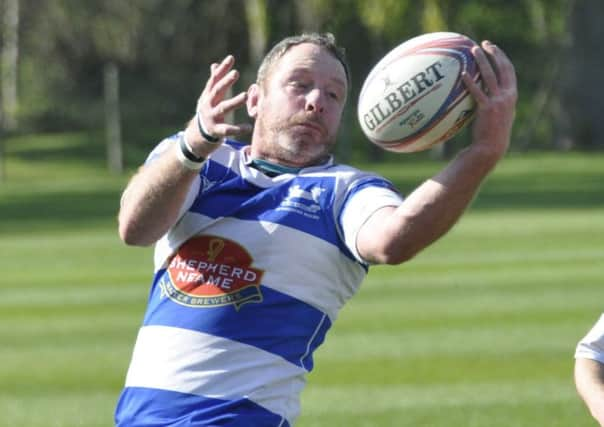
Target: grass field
(478, 330)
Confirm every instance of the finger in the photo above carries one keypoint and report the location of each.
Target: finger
(218, 72)
(210, 80)
(474, 88)
(231, 104)
(226, 129)
(223, 85)
(487, 72)
(506, 73)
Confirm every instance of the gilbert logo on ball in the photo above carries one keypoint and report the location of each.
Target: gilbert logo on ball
(414, 97)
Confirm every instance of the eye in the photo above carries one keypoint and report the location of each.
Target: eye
(299, 84)
(336, 95)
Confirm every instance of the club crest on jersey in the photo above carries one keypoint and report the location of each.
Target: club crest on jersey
(210, 271)
(303, 201)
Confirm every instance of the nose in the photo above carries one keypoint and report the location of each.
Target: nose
(314, 101)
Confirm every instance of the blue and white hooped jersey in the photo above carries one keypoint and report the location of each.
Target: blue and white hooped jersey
(246, 286)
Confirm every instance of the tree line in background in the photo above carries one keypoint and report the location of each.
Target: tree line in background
(135, 68)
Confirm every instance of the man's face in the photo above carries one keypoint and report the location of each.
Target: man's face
(299, 107)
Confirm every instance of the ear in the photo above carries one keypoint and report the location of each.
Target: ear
(253, 98)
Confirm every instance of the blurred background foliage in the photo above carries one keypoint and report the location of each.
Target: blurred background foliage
(132, 70)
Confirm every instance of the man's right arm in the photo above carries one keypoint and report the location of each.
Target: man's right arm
(152, 201)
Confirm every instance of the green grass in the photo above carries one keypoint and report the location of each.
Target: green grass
(478, 330)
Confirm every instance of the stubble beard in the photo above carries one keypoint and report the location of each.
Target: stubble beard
(284, 144)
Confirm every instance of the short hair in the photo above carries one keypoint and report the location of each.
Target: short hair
(325, 40)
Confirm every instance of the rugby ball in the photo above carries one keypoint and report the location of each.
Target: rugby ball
(414, 97)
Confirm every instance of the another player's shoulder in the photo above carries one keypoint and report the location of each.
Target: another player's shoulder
(596, 333)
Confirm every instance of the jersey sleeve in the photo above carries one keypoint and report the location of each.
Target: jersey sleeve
(592, 345)
(361, 203)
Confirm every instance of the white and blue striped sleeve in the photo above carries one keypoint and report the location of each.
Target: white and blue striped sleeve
(359, 207)
(592, 345)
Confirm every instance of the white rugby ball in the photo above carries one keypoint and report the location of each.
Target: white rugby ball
(414, 97)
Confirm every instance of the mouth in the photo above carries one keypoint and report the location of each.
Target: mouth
(311, 125)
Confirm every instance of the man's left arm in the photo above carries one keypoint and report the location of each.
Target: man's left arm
(589, 380)
(394, 235)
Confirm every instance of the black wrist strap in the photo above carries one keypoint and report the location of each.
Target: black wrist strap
(202, 131)
(184, 149)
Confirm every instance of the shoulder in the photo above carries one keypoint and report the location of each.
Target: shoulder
(354, 180)
(162, 146)
(346, 184)
(228, 150)
(348, 175)
(596, 333)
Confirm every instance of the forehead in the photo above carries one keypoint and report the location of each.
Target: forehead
(310, 57)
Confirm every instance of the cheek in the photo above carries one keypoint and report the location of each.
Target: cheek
(284, 106)
(335, 119)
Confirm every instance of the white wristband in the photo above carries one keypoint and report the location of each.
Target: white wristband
(185, 155)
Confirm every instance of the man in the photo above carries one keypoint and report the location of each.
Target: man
(589, 370)
(259, 246)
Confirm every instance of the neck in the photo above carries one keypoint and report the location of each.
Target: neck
(279, 147)
(285, 159)
(273, 169)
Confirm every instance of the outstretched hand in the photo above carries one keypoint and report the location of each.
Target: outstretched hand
(212, 106)
(496, 100)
